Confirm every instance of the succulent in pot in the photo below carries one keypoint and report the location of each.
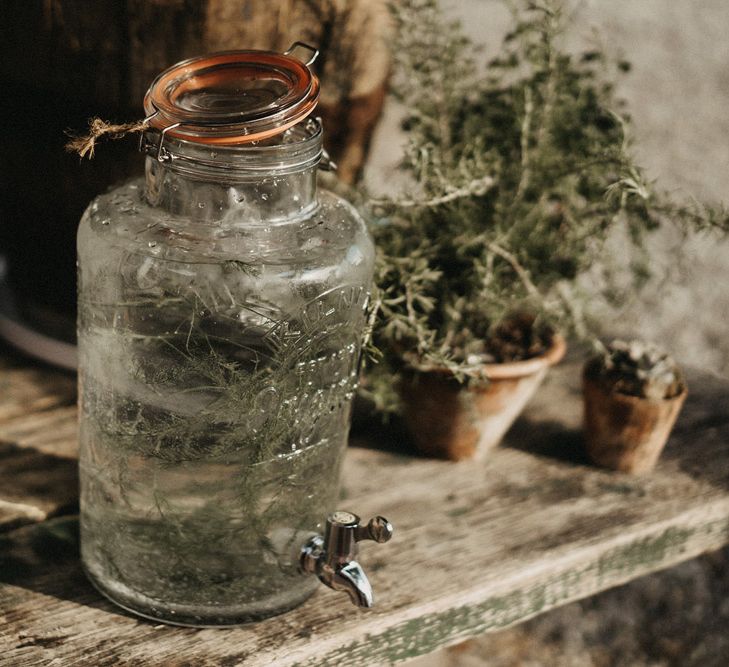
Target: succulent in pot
(633, 393)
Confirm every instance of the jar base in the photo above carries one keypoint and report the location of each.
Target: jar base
(197, 616)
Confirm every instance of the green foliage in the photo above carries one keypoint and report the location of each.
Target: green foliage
(522, 168)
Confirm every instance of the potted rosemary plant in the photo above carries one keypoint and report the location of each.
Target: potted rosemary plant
(521, 170)
(633, 393)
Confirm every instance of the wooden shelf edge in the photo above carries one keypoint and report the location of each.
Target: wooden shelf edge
(581, 574)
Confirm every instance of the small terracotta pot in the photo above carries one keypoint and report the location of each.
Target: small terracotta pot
(626, 433)
(449, 420)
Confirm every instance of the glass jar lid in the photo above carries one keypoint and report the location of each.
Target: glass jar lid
(234, 97)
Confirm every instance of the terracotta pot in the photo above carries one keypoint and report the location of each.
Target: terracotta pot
(449, 420)
(626, 433)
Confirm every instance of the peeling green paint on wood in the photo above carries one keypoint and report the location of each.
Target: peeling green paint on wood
(430, 632)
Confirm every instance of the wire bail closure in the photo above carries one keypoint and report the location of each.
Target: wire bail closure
(162, 154)
(308, 47)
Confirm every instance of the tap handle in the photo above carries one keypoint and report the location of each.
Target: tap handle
(344, 530)
(378, 529)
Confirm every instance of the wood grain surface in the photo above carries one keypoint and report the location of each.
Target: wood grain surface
(477, 546)
(38, 472)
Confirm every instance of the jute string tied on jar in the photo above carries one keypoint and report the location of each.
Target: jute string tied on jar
(84, 145)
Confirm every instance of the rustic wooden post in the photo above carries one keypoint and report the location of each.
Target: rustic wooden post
(354, 64)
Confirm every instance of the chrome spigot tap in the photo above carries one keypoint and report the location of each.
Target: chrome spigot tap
(333, 558)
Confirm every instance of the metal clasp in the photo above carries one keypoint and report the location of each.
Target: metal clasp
(326, 163)
(161, 154)
(303, 45)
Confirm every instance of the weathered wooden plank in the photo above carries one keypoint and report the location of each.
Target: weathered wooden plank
(27, 389)
(477, 547)
(52, 431)
(34, 485)
(37, 426)
(38, 476)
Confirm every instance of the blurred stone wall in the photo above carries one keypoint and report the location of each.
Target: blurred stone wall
(678, 94)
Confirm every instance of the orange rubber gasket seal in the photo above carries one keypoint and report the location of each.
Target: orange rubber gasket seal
(230, 126)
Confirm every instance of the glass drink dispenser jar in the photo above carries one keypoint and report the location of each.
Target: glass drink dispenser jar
(222, 304)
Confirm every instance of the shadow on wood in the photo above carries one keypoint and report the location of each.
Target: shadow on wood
(35, 485)
(371, 430)
(44, 558)
(548, 438)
